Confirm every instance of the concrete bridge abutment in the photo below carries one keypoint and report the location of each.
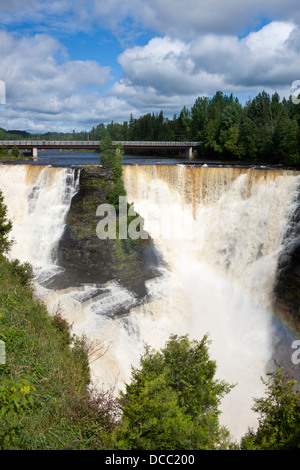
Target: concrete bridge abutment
(34, 153)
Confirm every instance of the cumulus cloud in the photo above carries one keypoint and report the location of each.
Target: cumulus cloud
(174, 18)
(185, 19)
(169, 68)
(42, 85)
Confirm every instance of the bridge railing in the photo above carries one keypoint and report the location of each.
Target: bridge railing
(87, 143)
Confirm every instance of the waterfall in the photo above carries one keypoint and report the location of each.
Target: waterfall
(38, 199)
(222, 267)
(220, 232)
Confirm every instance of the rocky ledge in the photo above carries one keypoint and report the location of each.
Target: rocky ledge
(88, 259)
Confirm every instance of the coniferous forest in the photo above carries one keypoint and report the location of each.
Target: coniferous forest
(264, 129)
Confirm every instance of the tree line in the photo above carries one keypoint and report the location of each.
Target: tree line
(265, 128)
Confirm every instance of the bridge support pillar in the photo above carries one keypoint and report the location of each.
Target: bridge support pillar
(35, 153)
(187, 153)
(190, 153)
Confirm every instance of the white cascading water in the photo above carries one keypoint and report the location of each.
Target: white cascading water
(220, 232)
(38, 199)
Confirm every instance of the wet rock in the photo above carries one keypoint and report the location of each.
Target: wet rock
(87, 259)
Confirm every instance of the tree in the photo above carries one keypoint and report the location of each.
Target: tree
(248, 138)
(15, 151)
(259, 111)
(184, 124)
(107, 152)
(112, 158)
(279, 415)
(286, 139)
(5, 227)
(231, 144)
(3, 151)
(172, 401)
(211, 131)
(199, 117)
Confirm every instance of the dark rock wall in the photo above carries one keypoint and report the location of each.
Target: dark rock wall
(287, 286)
(87, 259)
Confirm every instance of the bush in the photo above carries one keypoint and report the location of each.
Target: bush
(23, 270)
(15, 398)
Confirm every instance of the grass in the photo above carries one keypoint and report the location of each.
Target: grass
(63, 412)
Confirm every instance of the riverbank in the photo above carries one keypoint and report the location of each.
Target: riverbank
(62, 413)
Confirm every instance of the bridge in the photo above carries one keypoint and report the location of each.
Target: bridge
(187, 149)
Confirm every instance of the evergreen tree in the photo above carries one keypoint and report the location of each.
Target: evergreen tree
(286, 139)
(199, 118)
(172, 401)
(107, 152)
(279, 415)
(248, 139)
(259, 111)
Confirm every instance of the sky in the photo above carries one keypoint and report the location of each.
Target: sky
(71, 64)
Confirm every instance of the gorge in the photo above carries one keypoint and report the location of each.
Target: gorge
(221, 260)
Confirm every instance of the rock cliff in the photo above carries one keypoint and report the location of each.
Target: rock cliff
(287, 286)
(87, 259)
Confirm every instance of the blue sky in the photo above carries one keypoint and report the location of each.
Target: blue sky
(73, 64)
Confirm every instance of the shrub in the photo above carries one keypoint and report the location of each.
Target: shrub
(15, 398)
(23, 270)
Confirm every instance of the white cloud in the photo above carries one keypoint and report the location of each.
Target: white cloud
(270, 39)
(40, 85)
(167, 68)
(184, 19)
(174, 18)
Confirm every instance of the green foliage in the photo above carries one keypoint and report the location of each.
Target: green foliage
(107, 152)
(65, 415)
(24, 271)
(117, 190)
(5, 227)
(112, 158)
(172, 400)
(15, 398)
(3, 151)
(15, 151)
(279, 415)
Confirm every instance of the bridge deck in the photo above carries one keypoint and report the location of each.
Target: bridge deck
(48, 144)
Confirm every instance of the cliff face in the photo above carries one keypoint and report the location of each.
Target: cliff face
(287, 287)
(86, 258)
